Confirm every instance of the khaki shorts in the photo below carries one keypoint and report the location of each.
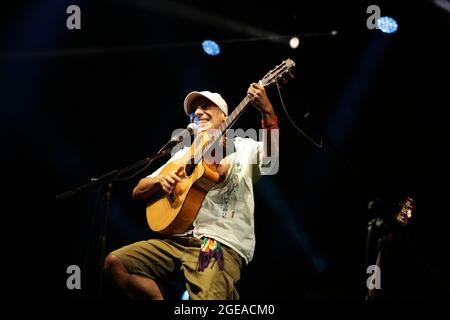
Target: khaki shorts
(176, 258)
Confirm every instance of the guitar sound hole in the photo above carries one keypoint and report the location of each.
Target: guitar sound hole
(172, 198)
(190, 167)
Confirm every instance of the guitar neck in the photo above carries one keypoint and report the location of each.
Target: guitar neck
(281, 72)
(229, 121)
(234, 115)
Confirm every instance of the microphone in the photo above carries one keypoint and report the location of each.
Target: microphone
(190, 130)
(177, 137)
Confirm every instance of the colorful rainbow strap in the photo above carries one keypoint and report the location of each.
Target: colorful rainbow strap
(210, 248)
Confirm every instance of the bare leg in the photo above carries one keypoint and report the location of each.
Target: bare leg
(135, 286)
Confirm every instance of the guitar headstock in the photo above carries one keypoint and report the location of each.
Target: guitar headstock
(282, 72)
(406, 210)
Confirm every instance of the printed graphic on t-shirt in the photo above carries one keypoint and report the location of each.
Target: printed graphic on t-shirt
(229, 191)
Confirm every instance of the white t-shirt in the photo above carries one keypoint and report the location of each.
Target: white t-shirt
(227, 212)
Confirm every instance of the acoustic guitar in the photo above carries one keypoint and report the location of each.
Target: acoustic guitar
(174, 213)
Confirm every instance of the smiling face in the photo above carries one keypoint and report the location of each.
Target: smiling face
(208, 115)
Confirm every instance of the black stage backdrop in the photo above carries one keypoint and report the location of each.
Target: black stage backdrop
(77, 104)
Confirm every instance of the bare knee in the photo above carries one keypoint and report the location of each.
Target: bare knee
(135, 286)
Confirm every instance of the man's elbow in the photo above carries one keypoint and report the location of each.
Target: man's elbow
(138, 191)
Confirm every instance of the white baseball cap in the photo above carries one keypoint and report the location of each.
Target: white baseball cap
(211, 96)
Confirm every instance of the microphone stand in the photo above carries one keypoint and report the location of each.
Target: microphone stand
(374, 209)
(383, 238)
(382, 225)
(106, 181)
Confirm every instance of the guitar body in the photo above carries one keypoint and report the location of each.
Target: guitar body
(175, 213)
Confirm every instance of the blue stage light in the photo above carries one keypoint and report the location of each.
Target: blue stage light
(387, 24)
(211, 47)
(185, 295)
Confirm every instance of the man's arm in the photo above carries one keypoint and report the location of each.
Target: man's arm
(260, 100)
(147, 186)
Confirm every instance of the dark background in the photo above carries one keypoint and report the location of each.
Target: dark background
(79, 103)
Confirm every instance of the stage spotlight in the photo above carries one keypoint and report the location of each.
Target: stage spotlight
(294, 42)
(185, 295)
(387, 24)
(211, 47)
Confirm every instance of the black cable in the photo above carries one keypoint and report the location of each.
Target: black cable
(319, 145)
